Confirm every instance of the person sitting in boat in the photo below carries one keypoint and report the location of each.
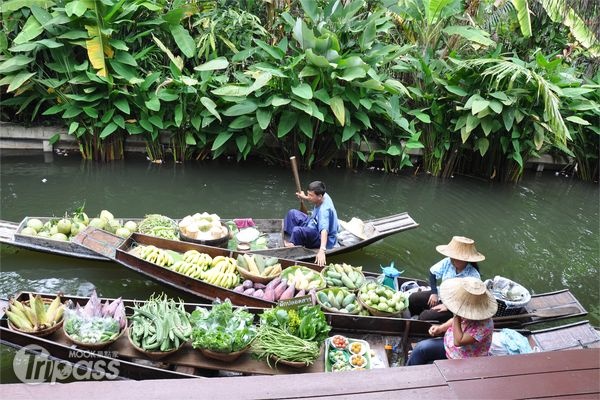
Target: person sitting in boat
(317, 230)
(460, 262)
(469, 332)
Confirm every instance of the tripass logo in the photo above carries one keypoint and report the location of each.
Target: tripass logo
(33, 364)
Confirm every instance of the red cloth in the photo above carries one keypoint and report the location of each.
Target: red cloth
(243, 222)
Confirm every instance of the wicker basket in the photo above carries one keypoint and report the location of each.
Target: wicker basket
(153, 355)
(95, 346)
(504, 310)
(327, 268)
(226, 357)
(220, 242)
(42, 332)
(378, 313)
(336, 290)
(255, 278)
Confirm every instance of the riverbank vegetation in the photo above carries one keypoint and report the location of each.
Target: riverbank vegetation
(467, 84)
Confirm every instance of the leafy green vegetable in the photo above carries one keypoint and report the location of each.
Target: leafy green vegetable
(307, 322)
(223, 328)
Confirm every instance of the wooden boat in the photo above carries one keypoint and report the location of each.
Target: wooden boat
(375, 229)
(558, 305)
(189, 363)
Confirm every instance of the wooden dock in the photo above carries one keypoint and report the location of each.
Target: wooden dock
(572, 374)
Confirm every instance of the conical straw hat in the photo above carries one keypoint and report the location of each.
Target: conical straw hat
(356, 227)
(468, 298)
(461, 248)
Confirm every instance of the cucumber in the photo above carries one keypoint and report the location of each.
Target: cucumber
(348, 282)
(351, 307)
(339, 298)
(336, 282)
(332, 299)
(348, 299)
(323, 298)
(333, 274)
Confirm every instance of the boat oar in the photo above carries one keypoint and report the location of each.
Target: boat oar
(546, 313)
(297, 179)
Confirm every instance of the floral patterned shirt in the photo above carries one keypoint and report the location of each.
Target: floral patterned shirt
(481, 331)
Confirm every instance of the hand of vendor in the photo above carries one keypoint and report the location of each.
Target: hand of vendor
(436, 330)
(301, 195)
(320, 258)
(440, 308)
(433, 300)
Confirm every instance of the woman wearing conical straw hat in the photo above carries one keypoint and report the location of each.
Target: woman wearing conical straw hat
(460, 262)
(469, 332)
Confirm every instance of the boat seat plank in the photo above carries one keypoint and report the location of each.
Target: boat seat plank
(554, 384)
(510, 366)
(579, 335)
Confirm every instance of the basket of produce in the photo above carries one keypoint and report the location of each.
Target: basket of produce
(258, 268)
(303, 278)
(346, 354)
(37, 316)
(381, 300)
(222, 332)
(95, 325)
(343, 275)
(205, 229)
(153, 322)
(159, 226)
(338, 300)
(291, 337)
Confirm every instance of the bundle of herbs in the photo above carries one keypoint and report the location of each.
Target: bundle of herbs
(222, 328)
(293, 335)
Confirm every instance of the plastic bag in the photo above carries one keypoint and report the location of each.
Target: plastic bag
(507, 342)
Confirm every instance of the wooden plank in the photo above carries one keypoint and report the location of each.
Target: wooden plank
(522, 364)
(423, 379)
(528, 386)
(569, 337)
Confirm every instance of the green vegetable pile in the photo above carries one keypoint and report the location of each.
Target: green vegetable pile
(159, 226)
(93, 330)
(291, 335)
(222, 329)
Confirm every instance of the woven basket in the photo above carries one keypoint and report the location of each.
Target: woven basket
(153, 355)
(504, 310)
(41, 332)
(226, 357)
(331, 310)
(95, 346)
(220, 242)
(378, 313)
(327, 268)
(255, 278)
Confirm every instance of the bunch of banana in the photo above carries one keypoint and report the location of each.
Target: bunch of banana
(256, 264)
(35, 316)
(187, 268)
(155, 255)
(343, 275)
(222, 273)
(201, 259)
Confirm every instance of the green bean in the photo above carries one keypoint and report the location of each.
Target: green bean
(273, 341)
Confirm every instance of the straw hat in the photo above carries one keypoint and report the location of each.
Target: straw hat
(461, 248)
(468, 298)
(356, 227)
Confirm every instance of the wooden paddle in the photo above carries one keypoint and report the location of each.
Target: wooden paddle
(297, 179)
(547, 313)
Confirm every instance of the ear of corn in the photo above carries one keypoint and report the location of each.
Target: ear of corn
(33, 315)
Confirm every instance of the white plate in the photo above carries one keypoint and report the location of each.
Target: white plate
(247, 235)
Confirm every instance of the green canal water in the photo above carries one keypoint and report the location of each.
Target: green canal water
(542, 232)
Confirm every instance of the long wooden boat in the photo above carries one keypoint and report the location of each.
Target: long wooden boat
(375, 229)
(551, 306)
(189, 363)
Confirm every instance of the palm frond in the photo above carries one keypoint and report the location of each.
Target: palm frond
(498, 15)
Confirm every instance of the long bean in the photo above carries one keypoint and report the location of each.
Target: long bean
(273, 341)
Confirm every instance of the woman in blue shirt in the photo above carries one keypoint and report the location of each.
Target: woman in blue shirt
(317, 230)
(460, 262)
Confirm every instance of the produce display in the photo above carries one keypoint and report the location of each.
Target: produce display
(155, 255)
(258, 265)
(303, 278)
(159, 226)
(343, 275)
(95, 323)
(160, 324)
(382, 299)
(65, 228)
(222, 272)
(222, 328)
(203, 226)
(339, 300)
(346, 354)
(291, 335)
(192, 264)
(275, 290)
(35, 315)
